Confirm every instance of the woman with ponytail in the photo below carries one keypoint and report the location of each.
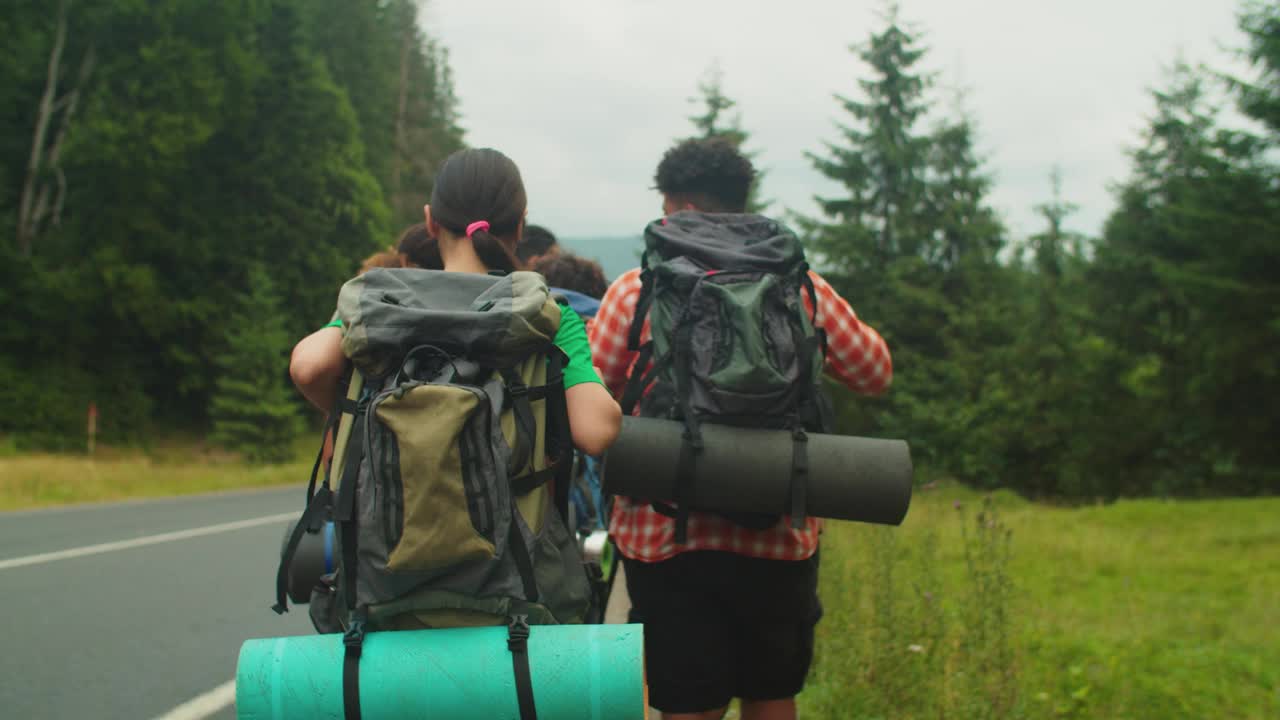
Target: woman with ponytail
(476, 215)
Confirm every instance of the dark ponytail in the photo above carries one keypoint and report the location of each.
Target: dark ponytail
(482, 184)
(494, 253)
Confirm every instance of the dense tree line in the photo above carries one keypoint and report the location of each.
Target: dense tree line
(1141, 361)
(157, 155)
(184, 184)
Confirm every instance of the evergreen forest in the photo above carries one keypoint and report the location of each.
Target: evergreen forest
(184, 184)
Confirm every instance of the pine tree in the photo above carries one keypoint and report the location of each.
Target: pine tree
(881, 161)
(713, 123)
(875, 241)
(1184, 280)
(253, 411)
(1260, 98)
(967, 234)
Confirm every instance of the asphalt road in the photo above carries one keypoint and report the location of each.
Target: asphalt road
(144, 624)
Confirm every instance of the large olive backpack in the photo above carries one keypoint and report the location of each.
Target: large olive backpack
(442, 504)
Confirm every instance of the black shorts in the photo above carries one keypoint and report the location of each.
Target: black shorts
(719, 626)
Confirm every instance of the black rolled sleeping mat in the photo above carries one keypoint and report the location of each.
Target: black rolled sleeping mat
(749, 470)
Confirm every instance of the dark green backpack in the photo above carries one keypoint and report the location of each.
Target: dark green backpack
(731, 341)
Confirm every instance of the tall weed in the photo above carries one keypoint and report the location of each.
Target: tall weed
(909, 634)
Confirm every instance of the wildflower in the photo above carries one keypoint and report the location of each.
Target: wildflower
(916, 648)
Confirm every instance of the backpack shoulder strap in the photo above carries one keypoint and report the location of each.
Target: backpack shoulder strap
(639, 379)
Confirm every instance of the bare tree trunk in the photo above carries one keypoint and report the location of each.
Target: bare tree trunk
(43, 118)
(401, 141)
(68, 103)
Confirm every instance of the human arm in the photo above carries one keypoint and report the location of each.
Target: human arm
(856, 354)
(316, 365)
(594, 416)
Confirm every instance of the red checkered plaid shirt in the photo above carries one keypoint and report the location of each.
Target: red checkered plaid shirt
(856, 356)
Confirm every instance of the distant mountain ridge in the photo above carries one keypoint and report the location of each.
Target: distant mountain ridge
(616, 254)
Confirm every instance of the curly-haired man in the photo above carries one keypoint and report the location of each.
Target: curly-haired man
(729, 612)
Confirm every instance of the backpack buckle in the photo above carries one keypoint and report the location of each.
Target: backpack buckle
(353, 638)
(692, 438)
(517, 632)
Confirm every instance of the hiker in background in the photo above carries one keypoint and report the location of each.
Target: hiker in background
(729, 611)
(581, 282)
(476, 216)
(536, 242)
(418, 249)
(415, 249)
(576, 279)
(389, 258)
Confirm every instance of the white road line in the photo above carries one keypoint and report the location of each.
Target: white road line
(202, 706)
(143, 541)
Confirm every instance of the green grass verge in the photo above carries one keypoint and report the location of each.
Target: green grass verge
(1141, 609)
(30, 481)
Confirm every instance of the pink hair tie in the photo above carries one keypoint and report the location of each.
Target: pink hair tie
(477, 225)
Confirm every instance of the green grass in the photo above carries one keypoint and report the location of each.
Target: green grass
(173, 468)
(1141, 609)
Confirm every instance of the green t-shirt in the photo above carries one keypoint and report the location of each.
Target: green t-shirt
(572, 339)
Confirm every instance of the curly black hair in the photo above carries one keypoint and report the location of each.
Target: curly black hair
(710, 173)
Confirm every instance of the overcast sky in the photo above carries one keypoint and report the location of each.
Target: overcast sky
(585, 95)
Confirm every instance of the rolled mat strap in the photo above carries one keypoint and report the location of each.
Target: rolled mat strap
(353, 647)
(690, 446)
(518, 644)
(799, 476)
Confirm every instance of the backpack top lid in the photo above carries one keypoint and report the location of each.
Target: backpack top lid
(495, 320)
(583, 304)
(724, 241)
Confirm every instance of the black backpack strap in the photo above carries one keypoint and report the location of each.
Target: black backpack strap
(640, 379)
(353, 647)
(690, 447)
(691, 439)
(637, 381)
(526, 434)
(353, 639)
(559, 438)
(808, 407)
(642, 304)
(518, 644)
(807, 283)
(561, 441)
(319, 501)
(520, 554)
(345, 515)
(312, 520)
